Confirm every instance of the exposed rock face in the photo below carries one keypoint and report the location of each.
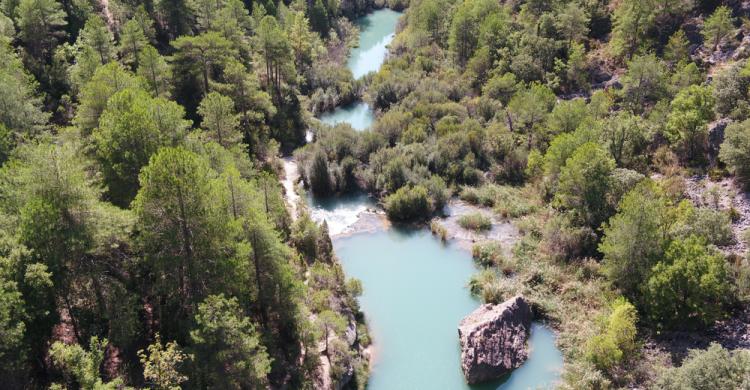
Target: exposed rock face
(493, 339)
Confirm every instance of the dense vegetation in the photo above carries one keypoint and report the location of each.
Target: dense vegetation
(144, 238)
(145, 241)
(601, 128)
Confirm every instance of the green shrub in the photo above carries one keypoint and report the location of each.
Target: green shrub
(408, 204)
(712, 225)
(475, 221)
(509, 202)
(482, 279)
(487, 254)
(319, 176)
(689, 288)
(439, 230)
(482, 196)
(713, 368)
(735, 151)
(616, 341)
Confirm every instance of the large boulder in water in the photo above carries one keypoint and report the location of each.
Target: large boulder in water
(493, 339)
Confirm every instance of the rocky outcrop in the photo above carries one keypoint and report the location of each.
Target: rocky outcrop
(493, 339)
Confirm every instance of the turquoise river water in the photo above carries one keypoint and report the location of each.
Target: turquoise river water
(415, 287)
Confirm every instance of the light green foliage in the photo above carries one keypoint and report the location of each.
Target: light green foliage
(625, 136)
(687, 124)
(392, 124)
(718, 26)
(161, 364)
(561, 148)
(429, 16)
(528, 109)
(487, 254)
(39, 24)
(584, 184)
(713, 368)
(631, 21)
(712, 225)
(154, 70)
(145, 22)
(21, 111)
(49, 181)
(94, 48)
(253, 104)
(301, 39)
(220, 119)
(13, 319)
(501, 88)
(185, 233)
(678, 48)
(106, 81)
(7, 29)
(96, 35)
(276, 53)
(200, 56)
(688, 288)
(229, 352)
(730, 87)
(132, 128)
(572, 22)
(644, 82)
(465, 27)
(206, 13)
(408, 203)
(735, 150)
(475, 221)
(636, 237)
(567, 116)
(84, 365)
(133, 40)
(576, 70)
(685, 75)
(305, 236)
(463, 33)
(330, 323)
(616, 341)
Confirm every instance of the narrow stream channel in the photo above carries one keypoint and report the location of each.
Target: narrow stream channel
(415, 290)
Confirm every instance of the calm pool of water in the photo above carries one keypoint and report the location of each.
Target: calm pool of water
(414, 296)
(358, 115)
(376, 32)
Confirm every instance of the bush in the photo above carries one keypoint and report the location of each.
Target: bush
(408, 204)
(689, 288)
(438, 191)
(562, 241)
(616, 341)
(735, 151)
(714, 368)
(712, 225)
(482, 279)
(439, 230)
(509, 202)
(319, 176)
(491, 288)
(488, 254)
(475, 221)
(584, 183)
(484, 195)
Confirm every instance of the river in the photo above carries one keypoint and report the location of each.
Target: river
(415, 287)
